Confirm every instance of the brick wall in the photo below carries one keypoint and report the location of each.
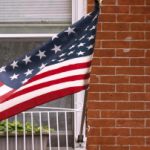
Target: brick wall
(119, 96)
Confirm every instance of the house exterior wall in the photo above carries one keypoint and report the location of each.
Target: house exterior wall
(118, 116)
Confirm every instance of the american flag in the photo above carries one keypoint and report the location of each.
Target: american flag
(58, 68)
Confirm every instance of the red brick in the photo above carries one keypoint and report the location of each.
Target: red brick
(96, 61)
(101, 140)
(140, 79)
(105, 35)
(148, 140)
(140, 27)
(106, 88)
(147, 88)
(130, 70)
(115, 62)
(131, 2)
(104, 53)
(119, 147)
(148, 123)
(130, 88)
(94, 132)
(115, 132)
(101, 122)
(107, 18)
(147, 70)
(140, 44)
(114, 96)
(130, 123)
(147, 19)
(114, 114)
(130, 35)
(94, 88)
(131, 140)
(140, 9)
(147, 35)
(130, 18)
(140, 148)
(115, 44)
(93, 96)
(109, 2)
(140, 62)
(101, 105)
(147, 105)
(147, 54)
(147, 2)
(140, 114)
(115, 27)
(130, 106)
(130, 53)
(115, 9)
(93, 147)
(139, 96)
(114, 79)
(140, 132)
(103, 70)
(94, 79)
(93, 114)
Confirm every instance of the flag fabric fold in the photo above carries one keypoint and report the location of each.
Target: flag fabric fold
(58, 68)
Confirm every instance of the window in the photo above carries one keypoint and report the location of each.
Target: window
(25, 24)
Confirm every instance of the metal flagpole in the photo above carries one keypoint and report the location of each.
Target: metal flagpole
(80, 136)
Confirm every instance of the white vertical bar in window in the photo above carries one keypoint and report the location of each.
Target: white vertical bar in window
(16, 136)
(24, 132)
(41, 139)
(58, 140)
(32, 131)
(7, 136)
(49, 130)
(66, 128)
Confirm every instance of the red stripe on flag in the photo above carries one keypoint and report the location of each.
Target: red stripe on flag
(5, 96)
(59, 70)
(47, 84)
(1, 84)
(37, 101)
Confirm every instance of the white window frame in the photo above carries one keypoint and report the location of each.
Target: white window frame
(79, 8)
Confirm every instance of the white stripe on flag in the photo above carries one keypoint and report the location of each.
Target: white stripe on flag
(25, 97)
(4, 90)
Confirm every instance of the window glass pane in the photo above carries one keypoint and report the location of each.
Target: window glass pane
(34, 16)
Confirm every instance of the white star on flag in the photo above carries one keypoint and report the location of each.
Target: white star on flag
(54, 37)
(42, 66)
(89, 47)
(70, 30)
(80, 53)
(81, 44)
(29, 72)
(91, 37)
(25, 81)
(41, 54)
(27, 59)
(14, 76)
(14, 64)
(93, 28)
(3, 69)
(56, 48)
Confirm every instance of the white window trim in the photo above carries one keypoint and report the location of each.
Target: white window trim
(79, 8)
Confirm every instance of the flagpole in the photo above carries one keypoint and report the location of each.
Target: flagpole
(81, 136)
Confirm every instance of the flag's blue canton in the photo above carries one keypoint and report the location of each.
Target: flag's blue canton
(76, 41)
